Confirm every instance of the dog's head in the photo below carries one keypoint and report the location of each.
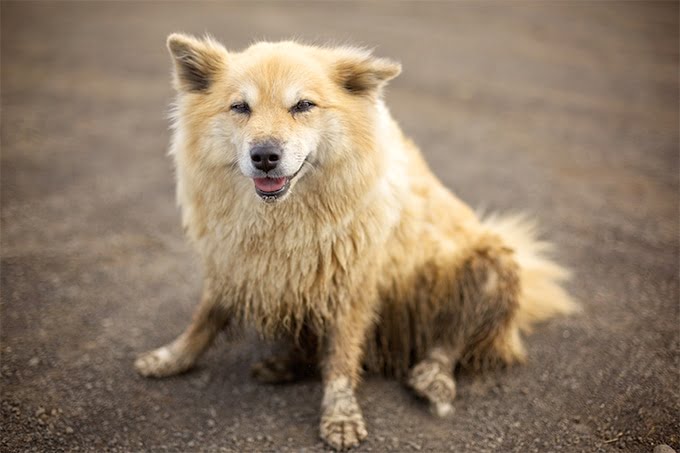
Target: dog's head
(276, 110)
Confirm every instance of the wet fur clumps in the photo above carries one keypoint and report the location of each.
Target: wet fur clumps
(450, 306)
(366, 261)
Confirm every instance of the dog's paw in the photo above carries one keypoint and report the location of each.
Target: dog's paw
(161, 362)
(342, 431)
(431, 381)
(342, 425)
(274, 370)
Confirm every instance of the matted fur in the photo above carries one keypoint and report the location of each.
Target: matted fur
(367, 258)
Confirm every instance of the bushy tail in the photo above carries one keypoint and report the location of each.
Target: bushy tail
(542, 295)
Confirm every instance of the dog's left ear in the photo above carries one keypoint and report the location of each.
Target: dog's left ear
(197, 61)
(360, 73)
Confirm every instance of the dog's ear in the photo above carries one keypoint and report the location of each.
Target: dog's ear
(358, 72)
(197, 62)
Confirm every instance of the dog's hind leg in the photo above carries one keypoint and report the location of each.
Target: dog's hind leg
(280, 369)
(489, 289)
(432, 379)
(474, 322)
(181, 354)
(297, 361)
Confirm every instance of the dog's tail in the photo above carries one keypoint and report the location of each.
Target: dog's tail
(541, 295)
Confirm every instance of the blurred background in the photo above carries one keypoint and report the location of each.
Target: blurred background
(566, 110)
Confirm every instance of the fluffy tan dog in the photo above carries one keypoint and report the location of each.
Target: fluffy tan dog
(317, 221)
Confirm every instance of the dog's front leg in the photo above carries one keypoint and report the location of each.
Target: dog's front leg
(181, 354)
(342, 424)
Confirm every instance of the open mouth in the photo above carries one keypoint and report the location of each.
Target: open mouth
(269, 189)
(273, 188)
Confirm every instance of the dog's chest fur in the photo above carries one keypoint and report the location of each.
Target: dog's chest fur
(284, 265)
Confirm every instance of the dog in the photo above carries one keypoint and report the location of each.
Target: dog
(319, 223)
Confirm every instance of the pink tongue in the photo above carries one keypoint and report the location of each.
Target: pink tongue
(269, 184)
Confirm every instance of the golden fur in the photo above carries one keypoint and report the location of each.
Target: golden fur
(366, 259)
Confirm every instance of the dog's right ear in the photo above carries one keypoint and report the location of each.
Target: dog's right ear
(197, 62)
(360, 73)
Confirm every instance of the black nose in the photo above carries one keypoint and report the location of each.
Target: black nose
(265, 156)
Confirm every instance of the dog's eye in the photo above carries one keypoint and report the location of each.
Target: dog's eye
(240, 107)
(302, 106)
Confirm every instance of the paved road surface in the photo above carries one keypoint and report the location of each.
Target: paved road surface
(567, 110)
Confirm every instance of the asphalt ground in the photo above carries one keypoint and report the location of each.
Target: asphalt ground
(568, 111)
